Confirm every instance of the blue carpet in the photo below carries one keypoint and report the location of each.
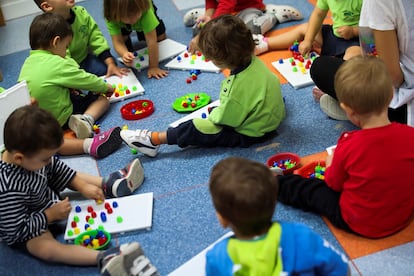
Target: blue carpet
(184, 222)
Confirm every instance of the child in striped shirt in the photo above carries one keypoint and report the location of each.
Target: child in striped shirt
(31, 179)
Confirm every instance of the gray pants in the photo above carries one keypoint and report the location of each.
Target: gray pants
(257, 21)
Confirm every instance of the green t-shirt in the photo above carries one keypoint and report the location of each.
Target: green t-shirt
(250, 102)
(344, 13)
(49, 78)
(86, 36)
(1, 89)
(146, 23)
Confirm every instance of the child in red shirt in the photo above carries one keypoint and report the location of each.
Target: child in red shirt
(368, 184)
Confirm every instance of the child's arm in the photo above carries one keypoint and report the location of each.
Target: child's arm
(122, 51)
(88, 190)
(153, 69)
(314, 26)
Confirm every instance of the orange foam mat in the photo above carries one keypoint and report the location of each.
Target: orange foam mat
(356, 246)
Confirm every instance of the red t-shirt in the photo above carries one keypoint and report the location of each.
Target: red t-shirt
(374, 171)
(232, 6)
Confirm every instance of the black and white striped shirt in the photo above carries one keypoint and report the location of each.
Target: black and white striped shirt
(25, 195)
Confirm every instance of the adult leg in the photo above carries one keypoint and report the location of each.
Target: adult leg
(311, 195)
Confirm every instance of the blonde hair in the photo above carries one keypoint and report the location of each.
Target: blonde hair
(364, 84)
(115, 10)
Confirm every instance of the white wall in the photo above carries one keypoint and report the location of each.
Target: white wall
(17, 8)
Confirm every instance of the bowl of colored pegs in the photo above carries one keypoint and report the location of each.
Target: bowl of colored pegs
(95, 239)
(315, 169)
(283, 163)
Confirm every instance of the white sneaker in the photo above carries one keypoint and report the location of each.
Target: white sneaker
(284, 13)
(190, 18)
(140, 140)
(261, 44)
(331, 107)
(81, 126)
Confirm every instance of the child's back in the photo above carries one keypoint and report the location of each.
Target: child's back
(374, 169)
(244, 195)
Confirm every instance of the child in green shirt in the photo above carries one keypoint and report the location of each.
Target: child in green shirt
(54, 81)
(251, 104)
(88, 47)
(123, 17)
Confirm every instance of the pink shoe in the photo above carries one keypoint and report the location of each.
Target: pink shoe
(106, 143)
(317, 93)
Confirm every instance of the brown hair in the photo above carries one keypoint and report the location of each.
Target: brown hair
(227, 40)
(115, 10)
(30, 129)
(244, 192)
(45, 28)
(364, 84)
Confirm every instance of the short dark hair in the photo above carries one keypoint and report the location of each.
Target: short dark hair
(45, 27)
(30, 129)
(114, 10)
(227, 39)
(244, 192)
(364, 84)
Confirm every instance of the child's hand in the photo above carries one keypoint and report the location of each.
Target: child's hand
(201, 20)
(128, 59)
(193, 47)
(117, 71)
(110, 91)
(305, 48)
(58, 211)
(346, 32)
(157, 73)
(93, 192)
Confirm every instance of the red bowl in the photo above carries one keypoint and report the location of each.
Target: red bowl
(137, 109)
(277, 159)
(309, 169)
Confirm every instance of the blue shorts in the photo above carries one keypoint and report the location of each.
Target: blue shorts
(333, 45)
(92, 64)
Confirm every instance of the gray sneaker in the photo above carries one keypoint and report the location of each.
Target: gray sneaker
(331, 107)
(81, 126)
(115, 261)
(125, 181)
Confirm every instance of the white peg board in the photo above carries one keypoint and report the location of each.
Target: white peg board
(167, 48)
(130, 81)
(195, 114)
(187, 61)
(298, 79)
(135, 211)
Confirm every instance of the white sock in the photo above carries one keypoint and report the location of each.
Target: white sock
(87, 143)
(89, 118)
